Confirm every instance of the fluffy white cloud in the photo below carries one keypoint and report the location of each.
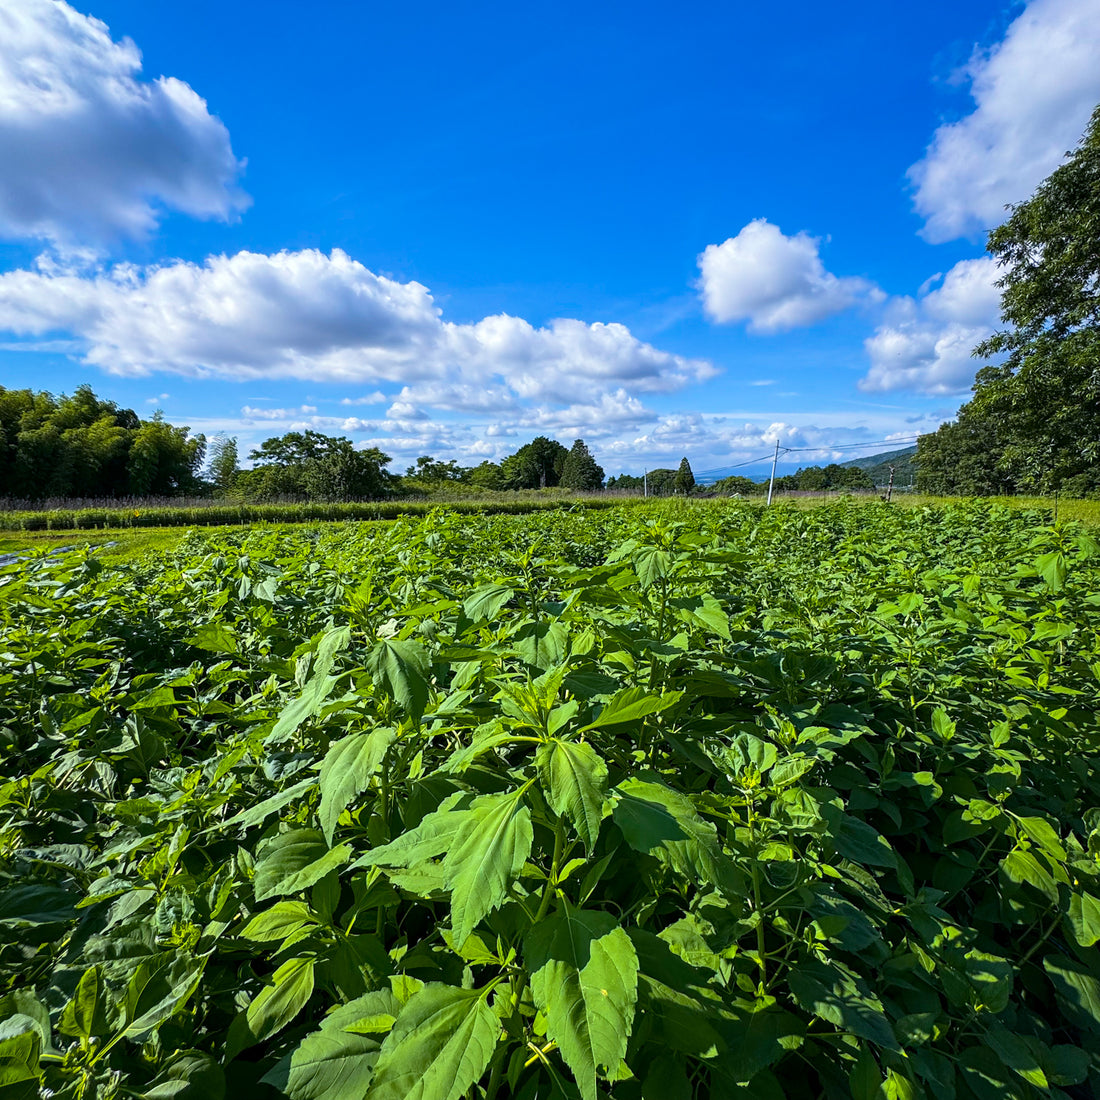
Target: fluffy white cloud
(328, 318)
(773, 281)
(89, 151)
(925, 342)
(1033, 91)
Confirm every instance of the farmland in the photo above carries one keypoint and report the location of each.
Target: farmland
(650, 802)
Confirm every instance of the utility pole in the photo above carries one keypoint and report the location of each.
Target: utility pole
(771, 482)
(645, 483)
(890, 486)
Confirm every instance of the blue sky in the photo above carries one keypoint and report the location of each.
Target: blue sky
(446, 229)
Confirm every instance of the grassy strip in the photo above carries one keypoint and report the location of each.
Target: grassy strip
(220, 515)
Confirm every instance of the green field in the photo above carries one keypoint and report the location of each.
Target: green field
(650, 803)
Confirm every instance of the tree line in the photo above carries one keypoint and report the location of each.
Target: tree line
(1033, 423)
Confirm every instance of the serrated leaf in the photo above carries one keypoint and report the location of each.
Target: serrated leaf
(574, 779)
(489, 850)
(346, 772)
(440, 1045)
(330, 1064)
(401, 667)
(584, 978)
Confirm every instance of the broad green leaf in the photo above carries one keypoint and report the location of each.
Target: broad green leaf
(35, 904)
(1052, 568)
(348, 768)
(574, 779)
(485, 602)
(662, 822)
(283, 919)
(1084, 918)
(402, 668)
(631, 704)
(294, 861)
(431, 838)
(842, 1000)
(188, 1075)
(489, 851)
(330, 1064)
(1013, 1050)
(439, 1046)
(1077, 989)
(19, 1068)
(274, 1007)
(651, 565)
(215, 638)
(584, 978)
(84, 1014)
(308, 705)
(158, 989)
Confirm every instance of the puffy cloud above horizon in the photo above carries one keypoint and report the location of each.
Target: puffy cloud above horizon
(92, 153)
(925, 343)
(327, 318)
(1034, 92)
(774, 282)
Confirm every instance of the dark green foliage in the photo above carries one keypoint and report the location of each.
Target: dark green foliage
(685, 479)
(834, 477)
(580, 470)
(744, 486)
(536, 465)
(315, 466)
(81, 446)
(1033, 424)
(659, 801)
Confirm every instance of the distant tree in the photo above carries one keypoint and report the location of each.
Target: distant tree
(164, 460)
(536, 465)
(431, 470)
(685, 479)
(662, 483)
(486, 475)
(81, 445)
(222, 463)
(316, 466)
(626, 481)
(580, 470)
(744, 486)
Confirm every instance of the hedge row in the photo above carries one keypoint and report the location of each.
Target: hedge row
(87, 519)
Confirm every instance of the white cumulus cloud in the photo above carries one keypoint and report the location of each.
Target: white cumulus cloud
(774, 282)
(91, 152)
(1033, 92)
(327, 318)
(924, 344)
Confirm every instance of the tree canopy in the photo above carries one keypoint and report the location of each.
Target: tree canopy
(685, 479)
(320, 467)
(82, 446)
(580, 470)
(536, 465)
(1033, 424)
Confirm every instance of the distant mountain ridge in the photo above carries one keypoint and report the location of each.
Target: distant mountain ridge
(878, 466)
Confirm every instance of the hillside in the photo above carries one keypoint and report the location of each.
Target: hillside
(878, 466)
